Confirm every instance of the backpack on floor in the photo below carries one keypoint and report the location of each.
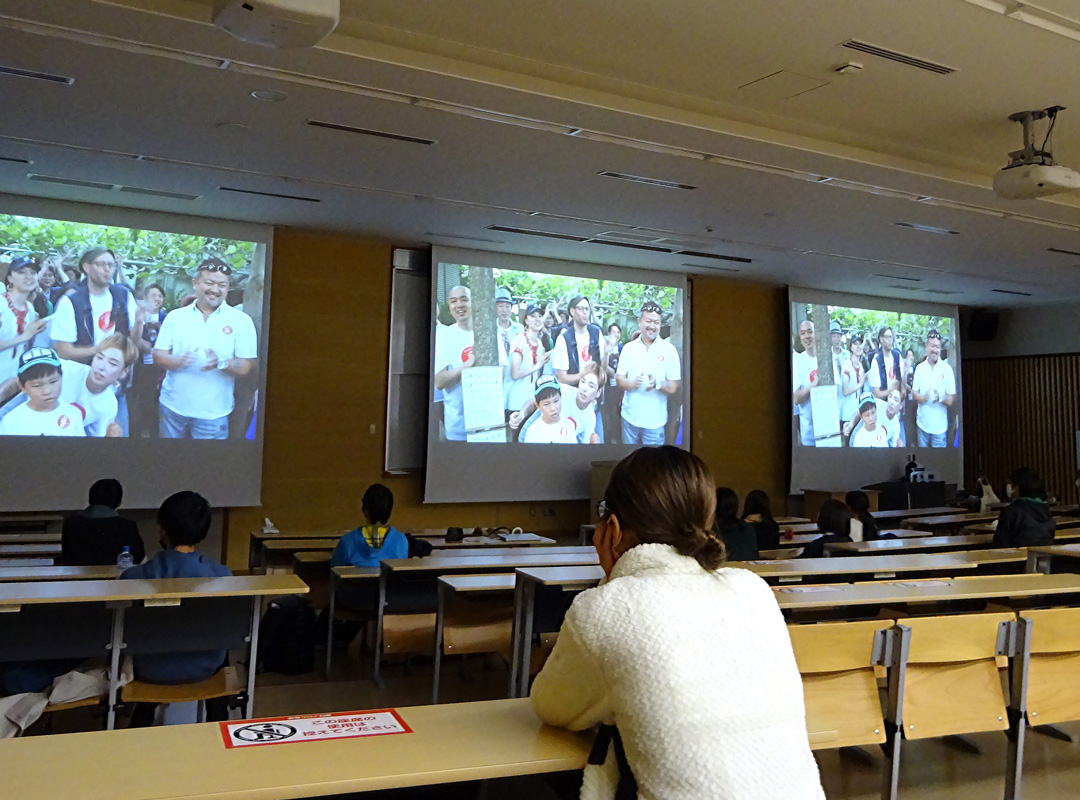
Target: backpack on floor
(287, 636)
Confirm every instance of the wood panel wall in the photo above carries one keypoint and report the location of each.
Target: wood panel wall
(1023, 411)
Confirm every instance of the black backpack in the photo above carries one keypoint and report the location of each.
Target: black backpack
(287, 636)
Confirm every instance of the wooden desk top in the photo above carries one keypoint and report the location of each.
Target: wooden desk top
(790, 520)
(280, 545)
(37, 593)
(799, 527)
(878, 546)
(30, 538)
(906, 513)
(1068, 550)
(58, 573)
(854, 566)
(1061, 524)
(440, 543)
(265, 535)
(27, 562)
(905, 533)
(450, 742)
(8, 521)
(29, 550)
(563, 576)
(313, 557)
(518, 558)
(356, 573)
(924, 591)
(479, 583)
(951, 519)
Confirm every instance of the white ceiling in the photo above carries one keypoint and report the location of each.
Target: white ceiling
(578, 88)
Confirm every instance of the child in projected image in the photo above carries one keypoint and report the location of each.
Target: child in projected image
(578, 407)
(870, 434)
(40, 379)
(552, 427)
(888, 419)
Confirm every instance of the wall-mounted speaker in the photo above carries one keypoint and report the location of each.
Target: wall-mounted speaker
(982, 325)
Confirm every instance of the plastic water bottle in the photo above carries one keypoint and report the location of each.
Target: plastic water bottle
(125, 559)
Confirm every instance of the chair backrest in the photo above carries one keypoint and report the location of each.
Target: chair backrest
(951, 683)
(1054, 668)
(836, 661)
(196, 624)
(55, 630)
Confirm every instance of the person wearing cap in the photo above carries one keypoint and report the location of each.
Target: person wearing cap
(870, 434)
(804, 378)
(204, 347)
(578, 406)
(887, 419)
(649, 371)
(505, 331)
(552, 427)
(41, 380)
(530, 352)
(934, 389)
(578, 343)
(454, 354)
(19, 320)
(852, 378)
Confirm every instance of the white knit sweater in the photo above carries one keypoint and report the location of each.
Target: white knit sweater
(696, 670)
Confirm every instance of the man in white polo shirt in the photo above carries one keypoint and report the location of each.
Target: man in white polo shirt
(649, 371)
(934, 389)
(203, 347)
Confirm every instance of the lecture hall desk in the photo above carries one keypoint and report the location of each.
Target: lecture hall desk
(20, 523)
(11, 574)
(1061, 523)
(908, 513)
(456, 742)
(949, 523)
(928, 545)
(257, 537)
(1054, 558)
(29, 551)
(30, 538)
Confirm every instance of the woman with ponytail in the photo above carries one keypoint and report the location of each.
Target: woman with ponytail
(685, 664)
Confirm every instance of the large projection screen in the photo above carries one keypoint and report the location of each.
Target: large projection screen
(895, 390)
(213, 388)
(513, 379)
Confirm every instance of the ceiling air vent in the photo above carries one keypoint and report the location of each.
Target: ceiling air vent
(1063, 252)
(926, 228)
(1010, 291)
(10, 160)
(542, 234)
(37, 76)
(900, 58)
(158, 193)
(897, 277)
(70, 182)
(905, 286)
(717, 256)
(622, 176)
(943, 291)
(400, 137)
(270, 194)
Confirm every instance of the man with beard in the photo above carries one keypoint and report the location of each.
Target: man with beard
(934, 389)
(453, 355)
(804, 377)
(203, 347)
(649, 371)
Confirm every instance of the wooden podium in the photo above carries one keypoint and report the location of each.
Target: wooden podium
(814, 499)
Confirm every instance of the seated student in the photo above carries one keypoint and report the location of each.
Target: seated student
(1026, 521)
(834, 521)
(184, 520)
(376, 540)
(41, 380)
(739, 538)
(859, 503)
(552, 427)
(97, 534)
(757, 510)
(687, 662)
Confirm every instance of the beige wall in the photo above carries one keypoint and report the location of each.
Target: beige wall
(326, 384)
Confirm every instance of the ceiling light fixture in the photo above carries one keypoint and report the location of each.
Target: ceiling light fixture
(1033, 15)
(269, 95)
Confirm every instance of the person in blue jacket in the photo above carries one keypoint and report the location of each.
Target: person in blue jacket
(369, 544)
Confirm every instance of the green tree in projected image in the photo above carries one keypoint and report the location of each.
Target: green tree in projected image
(148, 256)
(909, 329)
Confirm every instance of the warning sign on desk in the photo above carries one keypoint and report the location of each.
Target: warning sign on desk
(312, 728)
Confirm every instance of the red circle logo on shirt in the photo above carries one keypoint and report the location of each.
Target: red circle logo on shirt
(660, 357)
(63, 421)
(227, 330)
(564, 431)
(585, 354)
(468, 351)
(105, 322)
(813, 375)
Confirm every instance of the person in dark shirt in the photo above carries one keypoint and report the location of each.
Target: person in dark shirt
(184, 519)
(97, 534)
(859, 503)
(739, 538)
(834, 521)
(757, 510)
(1026, 521)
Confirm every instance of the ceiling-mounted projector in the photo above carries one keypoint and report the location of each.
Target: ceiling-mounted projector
(1032, 172)
(278, 23)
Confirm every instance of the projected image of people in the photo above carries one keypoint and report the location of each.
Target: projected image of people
(873, 379)
(145, 334)
(534, 358)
